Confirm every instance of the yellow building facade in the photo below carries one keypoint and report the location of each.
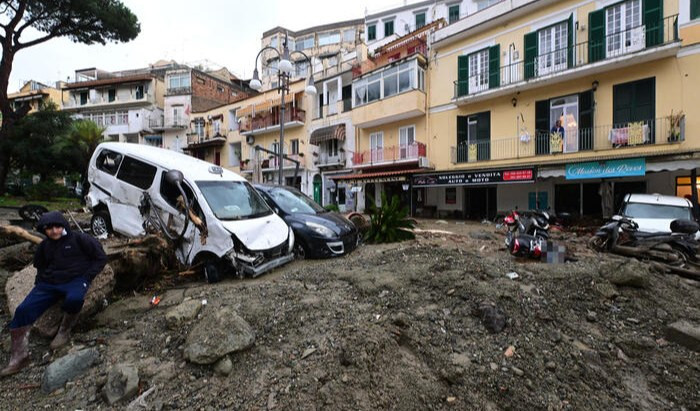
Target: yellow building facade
(557, 104)
(35, 95)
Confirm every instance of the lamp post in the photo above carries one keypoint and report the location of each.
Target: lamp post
(284, 73)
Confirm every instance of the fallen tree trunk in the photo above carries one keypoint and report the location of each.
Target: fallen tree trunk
(20, 233)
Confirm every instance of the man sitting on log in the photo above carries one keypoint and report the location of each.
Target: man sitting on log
(66, 263)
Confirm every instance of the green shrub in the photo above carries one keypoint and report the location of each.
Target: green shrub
(389, 223)
(332, 207)
(46, 190)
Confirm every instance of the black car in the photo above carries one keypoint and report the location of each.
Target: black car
(318, 233)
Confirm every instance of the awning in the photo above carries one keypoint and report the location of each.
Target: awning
(377, 177)
(328, 133)
(653, 167)
(264, 105)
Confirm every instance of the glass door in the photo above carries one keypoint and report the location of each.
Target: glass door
(376, 142)
(564, 119)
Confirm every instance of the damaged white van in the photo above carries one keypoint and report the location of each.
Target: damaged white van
(214, 216)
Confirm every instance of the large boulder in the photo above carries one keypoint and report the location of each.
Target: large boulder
(67, 368)
(186, 311)
(626, 272)
(21, 282)
(684, 333)
(122, 383)
(218, 333)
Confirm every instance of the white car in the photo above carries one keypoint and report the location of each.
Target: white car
(654, 212)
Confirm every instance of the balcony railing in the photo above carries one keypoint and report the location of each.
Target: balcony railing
(274, 162)
(272, 120)
(193, 139)
(176, 91)
(391, 154)
(326, 159)
(655, 132)
(615, 45)
(169, 122)
(104, 100)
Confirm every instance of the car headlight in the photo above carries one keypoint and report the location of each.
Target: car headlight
(291, 240)
(320, 229)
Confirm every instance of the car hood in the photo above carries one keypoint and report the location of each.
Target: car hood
(336, 222)
(259, 234)
(653, 225)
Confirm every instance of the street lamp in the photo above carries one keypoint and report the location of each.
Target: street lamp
(284, 73)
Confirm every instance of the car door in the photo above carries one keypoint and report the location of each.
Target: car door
(133, 178)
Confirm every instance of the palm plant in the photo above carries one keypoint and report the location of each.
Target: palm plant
(79, 144)
(389, 222)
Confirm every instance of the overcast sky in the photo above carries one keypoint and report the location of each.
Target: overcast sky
(225, 32)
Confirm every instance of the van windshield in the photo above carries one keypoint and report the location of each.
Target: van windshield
(233, 200)
(642, 210)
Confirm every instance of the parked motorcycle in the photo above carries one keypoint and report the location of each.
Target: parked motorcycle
(527, 232)
(675, 251)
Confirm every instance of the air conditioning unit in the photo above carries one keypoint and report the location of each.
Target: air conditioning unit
(250, 140)
(423, 162)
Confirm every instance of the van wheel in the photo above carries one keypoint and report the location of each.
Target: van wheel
(213, 272)
(101, 224)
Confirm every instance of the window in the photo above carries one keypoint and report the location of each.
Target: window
(331, 61)
(564, 110)
(179, 81)
(305, 43)
(301, 68)
(111, 95)
(623, 28)
(388, 28)
(407, 137)
(234, 150)
(479, 71)
(329, 38)
(290, 44)
(482, 4)
(217, 127)
(387, 82)
(271, 67)
(474, 137)
(232, 120)
(273, 42)
(199, 128)
(110, 118)
(136, 173)
(374, 87)
(694, 9)
(295, 146)
(420, 20)
(552, 46)
(634, 103)
(83, 98)
(391, 81)
(220, 89)
(349, 36)
(453, 13)
(376, 144)
(108, 161)
(372, 32)
(122, 117)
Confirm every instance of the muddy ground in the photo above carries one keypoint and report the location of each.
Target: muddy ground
(394, 327)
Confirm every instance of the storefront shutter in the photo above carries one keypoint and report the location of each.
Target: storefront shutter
(542, 127)
(495, 66)
(462, 76)
(585, 120)
(596, 35)
(654, 21)
(570, 42)
(530, 54)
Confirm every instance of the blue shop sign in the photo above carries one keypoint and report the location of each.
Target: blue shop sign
(603, 169)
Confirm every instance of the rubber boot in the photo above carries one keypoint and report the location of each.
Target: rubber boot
(19, 357)
(63, 335)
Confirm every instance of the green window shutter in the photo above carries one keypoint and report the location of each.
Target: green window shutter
(530, 54)
(495, 66)
(654, 21)
(542, 127)
(462, 135)
(371, 32)
(570, 42)
(585, 120)
(420, 20)
(462, 76)
(694, 9)
(483, 136)
(596, 35)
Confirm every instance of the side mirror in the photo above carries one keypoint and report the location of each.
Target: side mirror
(616, 218)
(174, 177)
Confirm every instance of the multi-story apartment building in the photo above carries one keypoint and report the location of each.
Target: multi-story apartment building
(330, 47)
(191, 90)
(567, 105)
(122, 102)
(386, 25)
(389, 113)
(35, 95)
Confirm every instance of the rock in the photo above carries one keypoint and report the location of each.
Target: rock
(493, 366)
(626, 273)
(518, 371)
(491, 316)
(224, 366)
(510, 351)
(684, 333)
(442, 222)
(607, 290)
(172, 298)
(308, 352)
(218, 333)
(124, 309)
(68, 368)
(186, 311)
(551, 365)
(591, 316)
(481, 235)
(122, 383)
(21, 282)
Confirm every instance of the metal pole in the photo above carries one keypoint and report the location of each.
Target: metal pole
(283, 86)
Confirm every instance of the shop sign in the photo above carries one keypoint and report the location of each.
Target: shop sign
(603, 169)
(467, 178)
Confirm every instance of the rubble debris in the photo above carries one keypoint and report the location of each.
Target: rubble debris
(122, 383)
(219, 332)
(186, 311)
(625, 272)
(684, 333)
(491, 316)
(67, 368)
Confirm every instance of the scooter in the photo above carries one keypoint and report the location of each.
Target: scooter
(526, 233)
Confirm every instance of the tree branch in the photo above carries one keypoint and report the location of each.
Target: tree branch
(19, 46)
(30, 22)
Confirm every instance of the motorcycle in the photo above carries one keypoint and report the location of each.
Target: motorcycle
(527, 233)
(675, 251)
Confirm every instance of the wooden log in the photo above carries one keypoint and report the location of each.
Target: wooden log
(19, 232)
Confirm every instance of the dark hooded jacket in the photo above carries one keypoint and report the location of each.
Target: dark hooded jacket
(71, 256)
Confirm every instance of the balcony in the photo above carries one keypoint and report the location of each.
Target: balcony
(105, 102)
(197, 141)
(390, 155)
(329, 160)
(649, 134)
(398, 107)
(169, 122)
(630, 47)
(178, 91)
(269, 122)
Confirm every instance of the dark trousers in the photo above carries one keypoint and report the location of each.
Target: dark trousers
(44, 295)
